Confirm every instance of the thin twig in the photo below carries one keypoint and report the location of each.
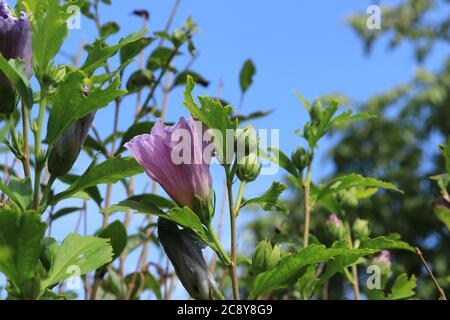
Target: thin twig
(436, 283)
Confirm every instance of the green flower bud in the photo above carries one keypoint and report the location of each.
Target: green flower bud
(335, 227)
(249, 168)
(246, 142)
(204, 209)
(316, 112)
(261, 257)
(274, 257)
(361, 228)
(383, 260)
(300, 158)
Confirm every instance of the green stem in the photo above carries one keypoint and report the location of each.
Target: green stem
(222, 254)
(306, 188)
(354, 276)
(239, 198)
(37, 147)
(233, 265)
(26, 147)
(43, 203)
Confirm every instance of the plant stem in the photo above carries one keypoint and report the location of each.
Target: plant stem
(233, 265)
(46, 192)
(223, 255)
(239, 198)
(355, 281)
(26, 147)
(37, 147)
(306, 188)
(436, 283)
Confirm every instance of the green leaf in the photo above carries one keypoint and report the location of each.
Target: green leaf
(132, 49)
(392, 241)
(445, 150)
(246, 75)
(14, 70)
(442, 211)
(181, 79)
(277, 156)
(64, 212)
(346, 259)
(348, 116)
(70, 103)
(99, 53)
(139, 80)
(22, 191)
(252, 116)
(324, 125)
(143, 281)
(291, 268)
(20, 237)
(160, 58)
(269, 201)
(304, 101)
(108, 172)
(353, 181)
(403, 287)
(87, 194)
(214, 116)
(145, 199)
(77, 255)
(183, 217)
(10, 195)
(109, 29)
(117, 235)
(49, 26)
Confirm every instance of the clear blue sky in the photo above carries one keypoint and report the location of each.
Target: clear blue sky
(296, 45)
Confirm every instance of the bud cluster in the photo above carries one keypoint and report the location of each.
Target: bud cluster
(265, 257)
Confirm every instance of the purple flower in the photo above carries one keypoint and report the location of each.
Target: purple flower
(174, 156)
(15, 39)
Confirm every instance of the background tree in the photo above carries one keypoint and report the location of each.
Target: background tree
(399, 146)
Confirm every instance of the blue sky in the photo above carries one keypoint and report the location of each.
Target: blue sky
(296, 45)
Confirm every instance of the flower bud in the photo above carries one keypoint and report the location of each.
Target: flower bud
(265, 257)
(67, 147)
(249, 168)
(335, 227)
(383, 260)
(316, 112)
(361, 228)
(246, 142)
(300, 158)
(184, 251)
(15, 43)
(274, 257)
(204, 209)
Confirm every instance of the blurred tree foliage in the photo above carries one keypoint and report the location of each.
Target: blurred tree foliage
(400, 146)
